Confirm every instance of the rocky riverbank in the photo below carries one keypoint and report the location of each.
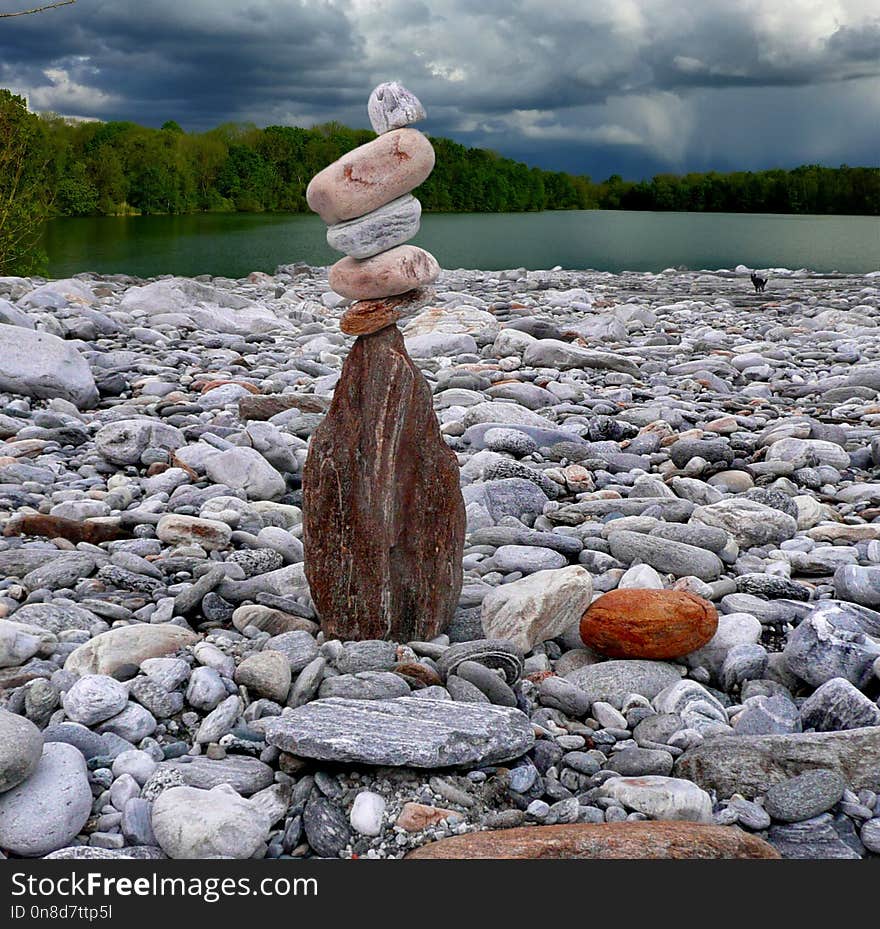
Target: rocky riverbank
(165, 685)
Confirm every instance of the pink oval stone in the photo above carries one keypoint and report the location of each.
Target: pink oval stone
(371, 176)
(393, 272)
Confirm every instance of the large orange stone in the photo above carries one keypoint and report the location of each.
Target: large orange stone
(676, 840)
(658, 624)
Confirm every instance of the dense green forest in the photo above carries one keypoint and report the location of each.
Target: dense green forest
(119, 166)
(52, 166)
(103, 168)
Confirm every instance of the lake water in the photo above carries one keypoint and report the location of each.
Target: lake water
(236, 244)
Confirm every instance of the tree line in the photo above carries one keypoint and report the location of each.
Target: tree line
(121, 167)
(50, 166)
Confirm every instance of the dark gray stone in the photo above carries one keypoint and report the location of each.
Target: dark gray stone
(247, 775)
(804, 796)
(638, 762)
(326, 826)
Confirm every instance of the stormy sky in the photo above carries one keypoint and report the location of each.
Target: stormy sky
(589, 86)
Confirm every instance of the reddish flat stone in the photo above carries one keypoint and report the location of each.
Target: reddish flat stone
(368, 316)
(220, 382)
(266, 406)
(416, 816)
(56, 527)
(677, 840)
(383, 515)
(642, 623)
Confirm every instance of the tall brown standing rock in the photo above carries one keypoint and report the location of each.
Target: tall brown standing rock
(383, 515)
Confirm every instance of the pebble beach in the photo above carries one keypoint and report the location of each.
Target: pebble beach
(165, 686)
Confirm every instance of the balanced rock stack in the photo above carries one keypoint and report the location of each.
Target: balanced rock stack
(365, 198)
(383, 516)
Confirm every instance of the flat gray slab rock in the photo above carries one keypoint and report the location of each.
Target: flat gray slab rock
(751, 765)
(402, 732)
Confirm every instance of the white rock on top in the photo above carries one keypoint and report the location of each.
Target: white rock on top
(392, 106)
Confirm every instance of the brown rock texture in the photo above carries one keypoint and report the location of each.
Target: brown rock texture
(265, 407)
(74, 530)
(396, 271)
(674, 840)
(368, 316)
(641, 623)
(371, 175)
(383, 515)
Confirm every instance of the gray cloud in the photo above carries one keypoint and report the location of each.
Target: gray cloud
(633, 86)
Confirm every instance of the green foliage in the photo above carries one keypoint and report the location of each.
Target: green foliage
(120, 167)
(807, 189)
(24, 199)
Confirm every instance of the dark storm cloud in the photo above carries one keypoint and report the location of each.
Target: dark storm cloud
(633, 86)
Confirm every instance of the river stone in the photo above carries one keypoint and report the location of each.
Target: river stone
(822, 648)
(612, 681)
(44, 812)
(630, 840)
(63, 571)
(804, 796)
(127, 646)
(400, 269)
(552, 353)
(392, 106)
(665, 555)
(211, 534)
(751, 765)
(21, 745)
(383, 516)
(40, 365)
(858, 584)
(660, 797)
(810, 839)
(326, 826)
(391, 225)
(217, 823)
(749, 522)
(838, 705)
(124, 441)
(56, 617)
(244, 774)
(493, 653)
(244, 468)
(84, 852)
(538, 607)
(403, 732)
(266, 673)
(94, 698)
(365, 685)
(647, 623)
(371, 175)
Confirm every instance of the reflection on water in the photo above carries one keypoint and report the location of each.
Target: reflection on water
(235, 244)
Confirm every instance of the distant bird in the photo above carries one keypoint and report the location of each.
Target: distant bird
(759, 282)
